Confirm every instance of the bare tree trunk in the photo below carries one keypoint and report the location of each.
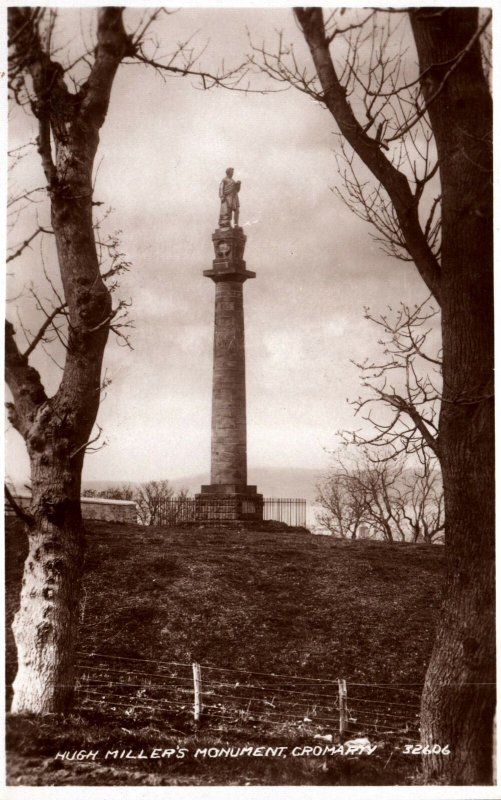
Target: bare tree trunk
(45, 626)
(459, 696)
(56, 429)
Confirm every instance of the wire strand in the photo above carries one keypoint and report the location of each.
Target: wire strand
(383, 714)
(136, 705)
(382, 702)
(130, 672)
(383, 728)
(268, 702)
(271, 674)
(132, 702)
(139, 660)
(274, 690)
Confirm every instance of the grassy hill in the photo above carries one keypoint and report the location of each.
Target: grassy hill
(269, 602)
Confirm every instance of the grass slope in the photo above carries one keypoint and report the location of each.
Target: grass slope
(261, 600)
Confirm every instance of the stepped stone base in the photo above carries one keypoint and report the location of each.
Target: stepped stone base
(229, 488)
(230, 501)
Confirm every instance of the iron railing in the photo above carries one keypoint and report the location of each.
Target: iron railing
(290, 510)
(174, 511)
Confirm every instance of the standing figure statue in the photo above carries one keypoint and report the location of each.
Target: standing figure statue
(230, 205)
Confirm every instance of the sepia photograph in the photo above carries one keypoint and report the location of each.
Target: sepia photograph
(249, 428)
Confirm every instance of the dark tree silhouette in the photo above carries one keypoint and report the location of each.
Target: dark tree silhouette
(421, 125)
(70, 105)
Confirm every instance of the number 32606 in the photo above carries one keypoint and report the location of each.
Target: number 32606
(426, 750)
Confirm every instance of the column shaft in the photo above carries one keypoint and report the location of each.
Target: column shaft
(229, 436)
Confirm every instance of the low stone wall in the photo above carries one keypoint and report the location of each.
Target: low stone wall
(109, 510)
(99, 508)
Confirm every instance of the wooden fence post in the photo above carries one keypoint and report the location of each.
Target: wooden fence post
(343, 713)
(197, 690)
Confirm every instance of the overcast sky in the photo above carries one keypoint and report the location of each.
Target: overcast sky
(164, 148)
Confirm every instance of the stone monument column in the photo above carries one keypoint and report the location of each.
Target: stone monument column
(229, 431)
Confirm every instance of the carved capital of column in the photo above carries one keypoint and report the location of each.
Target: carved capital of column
(229, 264)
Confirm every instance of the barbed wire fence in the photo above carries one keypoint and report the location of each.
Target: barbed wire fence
(200, 692)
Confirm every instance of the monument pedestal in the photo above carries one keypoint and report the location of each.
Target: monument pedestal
(228, 486)
(229, 502)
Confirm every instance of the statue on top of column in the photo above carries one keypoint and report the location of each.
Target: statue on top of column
(230, 205)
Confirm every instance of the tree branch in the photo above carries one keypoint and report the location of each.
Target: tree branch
(456, 62)
(26, 244)
(28, 519)
(44, 148)
(113, 44)
(87, 444)
(24, 383)
(408, 408)
(40, 335)
(394, 182)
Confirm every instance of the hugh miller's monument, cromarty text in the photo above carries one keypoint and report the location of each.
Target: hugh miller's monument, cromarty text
(228, 484)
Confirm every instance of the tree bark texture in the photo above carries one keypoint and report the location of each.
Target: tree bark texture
(45, 626)
(56, 429)
(459, 695)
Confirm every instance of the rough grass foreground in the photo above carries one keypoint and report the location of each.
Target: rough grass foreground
(269, 601)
